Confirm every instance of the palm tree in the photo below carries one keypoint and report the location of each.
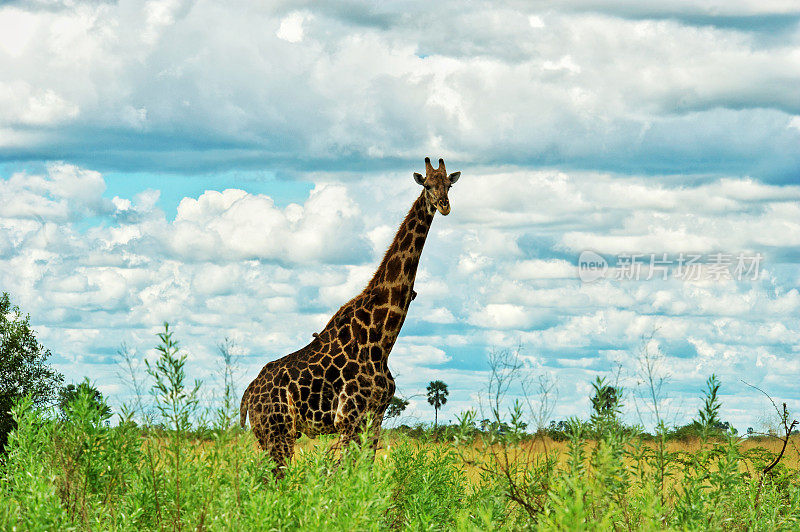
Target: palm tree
(437, 396)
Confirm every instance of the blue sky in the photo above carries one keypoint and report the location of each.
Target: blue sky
(239, 171)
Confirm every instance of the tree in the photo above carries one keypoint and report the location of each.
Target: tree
(437, 397)
(23, 367)
(606, 402)
(396, 407)
(70, 392)
(606, 407)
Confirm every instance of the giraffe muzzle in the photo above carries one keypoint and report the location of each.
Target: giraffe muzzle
(443, 207)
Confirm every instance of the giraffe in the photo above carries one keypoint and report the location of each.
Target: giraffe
(330, 385)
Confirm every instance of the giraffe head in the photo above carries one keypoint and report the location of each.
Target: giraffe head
(437, 183)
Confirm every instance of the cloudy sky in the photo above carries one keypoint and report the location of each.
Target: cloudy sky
(238, 169)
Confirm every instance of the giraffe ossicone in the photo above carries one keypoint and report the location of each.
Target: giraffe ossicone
(332, 384)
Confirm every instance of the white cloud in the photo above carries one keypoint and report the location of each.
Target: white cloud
(607, 85)
(65, 193)
(235, 224)
(18, 28)
(501, 316)
(291, 28)
(542, 269)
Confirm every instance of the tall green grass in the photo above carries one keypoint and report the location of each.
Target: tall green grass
(180, 471)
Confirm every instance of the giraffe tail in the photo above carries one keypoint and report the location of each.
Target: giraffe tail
(243, 407)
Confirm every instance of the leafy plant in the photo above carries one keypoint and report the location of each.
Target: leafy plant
(70, 393)
(708, 415)
(177, 405)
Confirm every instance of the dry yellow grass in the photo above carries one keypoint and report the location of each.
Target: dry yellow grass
(475, 455)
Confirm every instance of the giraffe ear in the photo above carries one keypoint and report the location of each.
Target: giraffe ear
(454, 177)
(419, 179)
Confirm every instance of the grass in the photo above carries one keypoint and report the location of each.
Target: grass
(80, 474)
(186, 470)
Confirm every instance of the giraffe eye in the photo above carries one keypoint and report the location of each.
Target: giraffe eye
(428, 187)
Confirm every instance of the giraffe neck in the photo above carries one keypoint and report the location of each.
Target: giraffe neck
(373, 318)
(399, 265)
(391, 289)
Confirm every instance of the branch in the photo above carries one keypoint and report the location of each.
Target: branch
(789, 429)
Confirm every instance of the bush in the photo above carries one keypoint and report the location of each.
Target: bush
(23, 366)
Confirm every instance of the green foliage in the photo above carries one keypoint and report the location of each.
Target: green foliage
(177, 406)
(708, 416)
(606, 401)
(395, 408)
(78, 472)
(68, 394)
(427, 487)
(437, 397)
(23, 366)
(708, 423)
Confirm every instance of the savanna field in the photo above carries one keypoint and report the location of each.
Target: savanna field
(166, 463)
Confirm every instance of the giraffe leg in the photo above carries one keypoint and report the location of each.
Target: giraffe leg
(375, 431)
(348, 422)
(277, 437)
(346, 435)
(281, 449)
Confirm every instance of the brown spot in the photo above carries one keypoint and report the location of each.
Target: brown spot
(379, 315)
(376, 353)
(363, 316)
(343, 335)
(360, 334)
(339, 360)
(374, 335)
(393, 321)
(399, 295)
(419, 242)
(380, 296)
(313, 400)
(331, 373)
(327, 400)
(393, 269)
(350, 371)
(406, 240)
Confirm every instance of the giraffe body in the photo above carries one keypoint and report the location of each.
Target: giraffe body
(331, 384)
